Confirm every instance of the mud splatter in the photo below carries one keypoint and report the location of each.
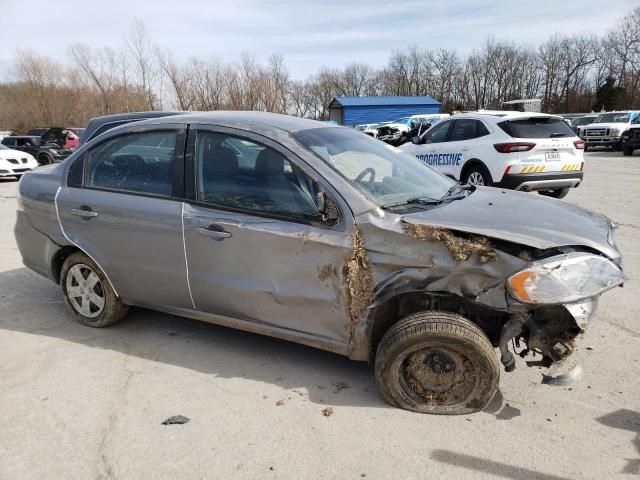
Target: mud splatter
(327, 412)
(461, 249)
(325, 272)
(357, 272)
(340, 386)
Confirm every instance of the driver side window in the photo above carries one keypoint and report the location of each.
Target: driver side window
(241, 174)
(438, 133)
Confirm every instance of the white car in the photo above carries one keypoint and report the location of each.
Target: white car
(519, 151)
(13, 163)
(607, 129)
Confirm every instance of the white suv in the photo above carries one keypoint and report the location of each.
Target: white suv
(520, 151)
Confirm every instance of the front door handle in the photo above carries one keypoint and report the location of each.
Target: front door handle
(84, 212)
(214, 231)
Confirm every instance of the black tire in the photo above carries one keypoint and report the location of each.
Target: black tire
(93, 314)
(472, 173)
(586, 147)
(557, 193)
(627, 151)
(446, 347)
(44, 159)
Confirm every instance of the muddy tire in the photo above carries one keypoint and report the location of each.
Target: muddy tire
(437, 362)
(88, 293)
(477, 175)
(44, 159)
(557, 193)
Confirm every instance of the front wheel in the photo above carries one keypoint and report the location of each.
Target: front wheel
(477, 175)
(627, 151)
(437, 362)
(88, 294)
(44, 159)
(557, 193)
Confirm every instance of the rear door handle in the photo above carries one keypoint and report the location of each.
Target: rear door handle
(84, 213)
(214, 231)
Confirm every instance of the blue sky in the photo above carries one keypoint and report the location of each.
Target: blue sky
(308, 34)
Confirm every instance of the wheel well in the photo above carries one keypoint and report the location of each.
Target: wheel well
(470, 163)
(59, 258)
(398, 307)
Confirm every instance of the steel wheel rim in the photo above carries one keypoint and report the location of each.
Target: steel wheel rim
(447, 386)
(475, 178)
(84, 290)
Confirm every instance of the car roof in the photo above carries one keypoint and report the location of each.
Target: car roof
(243, 120)
(495, 116)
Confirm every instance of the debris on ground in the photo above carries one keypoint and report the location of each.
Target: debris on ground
(176, 420)
(279, 403)
(327, 412)
(340, 386)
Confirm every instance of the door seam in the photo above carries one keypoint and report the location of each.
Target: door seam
(186, 261)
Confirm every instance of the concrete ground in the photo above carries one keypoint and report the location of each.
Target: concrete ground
(77, 402)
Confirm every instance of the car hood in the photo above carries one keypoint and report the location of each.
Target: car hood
(11, 153)
(523, 218)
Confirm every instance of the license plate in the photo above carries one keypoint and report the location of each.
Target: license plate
(552, 157)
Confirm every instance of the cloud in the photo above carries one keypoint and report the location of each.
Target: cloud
(308, 34)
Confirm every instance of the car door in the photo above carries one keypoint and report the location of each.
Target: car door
(430, 144)
(255, 249)
(461, 145)
(122, 207)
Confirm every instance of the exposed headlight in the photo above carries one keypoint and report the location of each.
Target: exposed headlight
(565, 279)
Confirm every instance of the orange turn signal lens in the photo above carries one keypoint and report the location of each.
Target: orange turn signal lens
(517, 284)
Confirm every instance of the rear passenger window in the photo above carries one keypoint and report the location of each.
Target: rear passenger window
(241, 174)
(463, 130)
(139, 162)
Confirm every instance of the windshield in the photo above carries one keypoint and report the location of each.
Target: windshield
(582, 121)
(401, 120)
(4, 147)
(613, 118)
(380, 171)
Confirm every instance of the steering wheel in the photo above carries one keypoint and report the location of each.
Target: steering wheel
(367, 171)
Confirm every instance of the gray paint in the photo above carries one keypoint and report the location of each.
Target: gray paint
(266, 276)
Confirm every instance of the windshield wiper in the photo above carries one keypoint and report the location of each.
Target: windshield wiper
(413, 201)
(558, 134)
(456, 192)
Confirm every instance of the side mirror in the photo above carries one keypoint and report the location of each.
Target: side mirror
(329, 213)
(416, 140)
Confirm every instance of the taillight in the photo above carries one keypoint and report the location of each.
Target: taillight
(579, 144)
(513, 147)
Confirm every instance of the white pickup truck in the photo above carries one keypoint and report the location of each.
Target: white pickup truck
(607, 129)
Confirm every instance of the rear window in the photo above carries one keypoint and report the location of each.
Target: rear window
(537, 127)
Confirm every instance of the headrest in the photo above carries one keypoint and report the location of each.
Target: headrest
(220, 161)
(269, 162)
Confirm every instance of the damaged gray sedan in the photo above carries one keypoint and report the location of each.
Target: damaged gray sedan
(319, 235)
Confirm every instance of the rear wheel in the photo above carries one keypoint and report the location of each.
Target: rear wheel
(437, 362)
(627, 151)
(477, 175)
(88, 294)
(557, 193)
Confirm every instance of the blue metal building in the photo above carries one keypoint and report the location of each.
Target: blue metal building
(358, 110)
